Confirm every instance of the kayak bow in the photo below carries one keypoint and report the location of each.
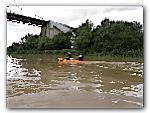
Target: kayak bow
(71, 61)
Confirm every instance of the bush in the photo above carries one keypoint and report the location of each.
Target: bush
(114, 38)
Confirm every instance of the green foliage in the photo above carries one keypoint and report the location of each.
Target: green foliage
(110, 38)
(37, 44)
(118, 38)
(62, 41)
(83, 38)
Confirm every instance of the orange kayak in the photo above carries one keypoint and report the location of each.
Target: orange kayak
(71, 61)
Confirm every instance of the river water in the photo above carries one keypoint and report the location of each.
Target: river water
(38, 81)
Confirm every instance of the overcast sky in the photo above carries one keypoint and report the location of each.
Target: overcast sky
(70, 15)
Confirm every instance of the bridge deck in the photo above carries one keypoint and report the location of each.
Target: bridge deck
(25, 19)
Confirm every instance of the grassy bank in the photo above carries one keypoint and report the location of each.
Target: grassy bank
(114, 58)
(88, 57)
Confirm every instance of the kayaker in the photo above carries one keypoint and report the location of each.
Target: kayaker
(80, 57)
(69, 56)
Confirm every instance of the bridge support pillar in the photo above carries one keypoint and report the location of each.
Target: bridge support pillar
(49, 30)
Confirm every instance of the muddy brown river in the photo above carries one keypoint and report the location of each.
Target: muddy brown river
(38, 81)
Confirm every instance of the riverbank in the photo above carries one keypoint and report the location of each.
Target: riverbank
(90, 57)
(115, 58)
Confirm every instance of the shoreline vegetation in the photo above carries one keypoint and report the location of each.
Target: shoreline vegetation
(109, 41)
(89, 57)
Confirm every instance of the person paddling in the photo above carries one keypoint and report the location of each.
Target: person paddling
(69, 56)
(80, 57)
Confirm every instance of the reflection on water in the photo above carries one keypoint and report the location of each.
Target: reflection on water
(33, 74)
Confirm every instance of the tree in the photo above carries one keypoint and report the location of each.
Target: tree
(118, 37)
(62, 41)
(109, 38)
(83, 37)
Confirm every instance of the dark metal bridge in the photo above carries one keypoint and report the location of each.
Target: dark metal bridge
(25, 19)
